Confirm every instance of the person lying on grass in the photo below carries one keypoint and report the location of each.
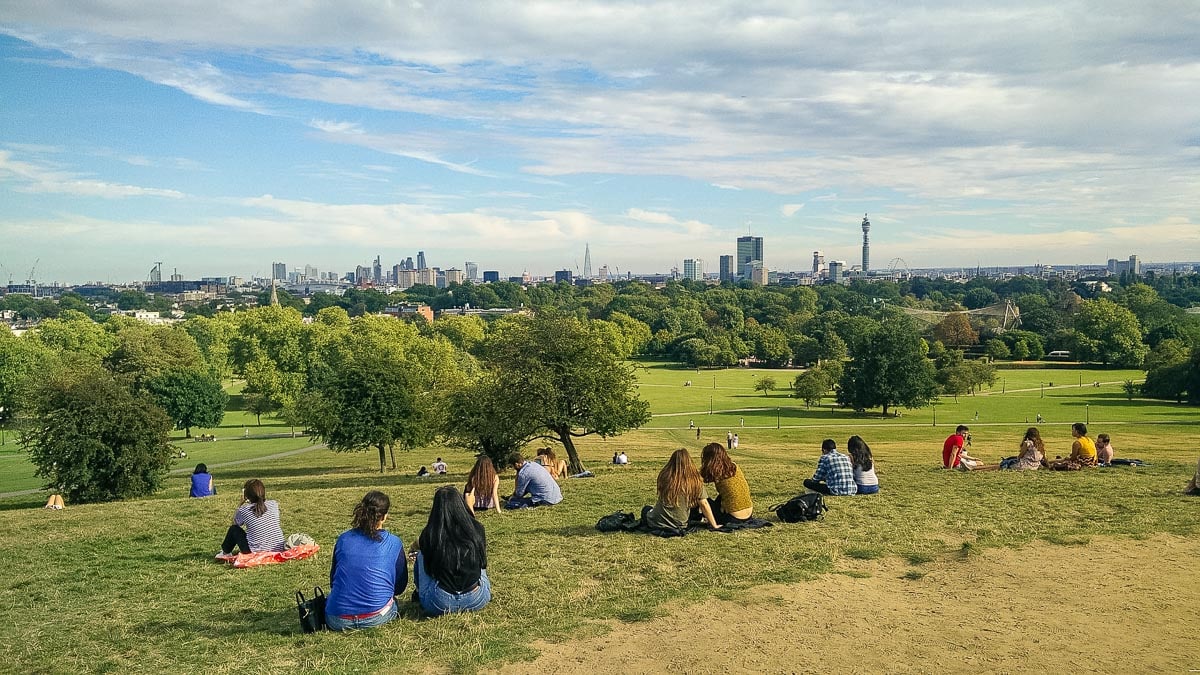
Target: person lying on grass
(483, 486)
(680, 489)
(834, 475)
(1083, 451)
(450, 569)
(863, 464)
(556, 466)
(255, 523)
(369, 569)
(534, 485)
(733, 492)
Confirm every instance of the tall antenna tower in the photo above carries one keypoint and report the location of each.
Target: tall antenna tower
(587, 261)
(866, 253)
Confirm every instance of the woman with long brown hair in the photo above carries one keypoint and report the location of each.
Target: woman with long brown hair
(1033, 452)
(255, 523)
(369, 569)
(733, 492)
(680, 489)
(483, 486)
(557, 467)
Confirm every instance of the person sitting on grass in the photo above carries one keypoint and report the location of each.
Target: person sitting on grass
(1032, 455)
(534, 485)
(863, 465)
(623, 459)
(556, 466)
(483, 486)
(834, 475)
(680, 489)
(1083, 451)
(202, 482)
(369, 569)
(1104, 450)
(255, 523)
(733, 492)
(954, 452)
(1193, 486)
(450, 569)
(439, 466)
(55, 501)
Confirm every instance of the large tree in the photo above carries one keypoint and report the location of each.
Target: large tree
(192, 398)
(888, 368)
(94, 440)
(567, 379)
(1109, 333)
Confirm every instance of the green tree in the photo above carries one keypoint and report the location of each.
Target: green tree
(484, 417)
(889, 368)
(1130, 389)
(572, 384)
(1109, 333)
(996, 349)
(1167, 370)
(811, 386)
(765, 384)
(772, 348)
(145, 352)
(93, 440)
(191, 398)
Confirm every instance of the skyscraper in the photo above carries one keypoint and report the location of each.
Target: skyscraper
(377, 271)
(726, 268)
(472, 271)
(693, 268)
(279, 271)
(866, 226)
(818, 263)
(749, 249)
(587, 262)
(421, 260)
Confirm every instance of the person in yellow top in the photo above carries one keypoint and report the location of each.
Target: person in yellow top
(733, 492)
(1083, 451)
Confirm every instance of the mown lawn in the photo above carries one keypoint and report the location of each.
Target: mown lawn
(131, 585)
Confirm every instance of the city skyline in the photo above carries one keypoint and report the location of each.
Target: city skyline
(649, 134)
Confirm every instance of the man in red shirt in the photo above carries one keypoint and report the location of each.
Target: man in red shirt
(954, 454)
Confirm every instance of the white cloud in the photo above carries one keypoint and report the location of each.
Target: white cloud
(790, 210)
(33, 177)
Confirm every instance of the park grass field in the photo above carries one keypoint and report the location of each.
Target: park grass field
(132, 586)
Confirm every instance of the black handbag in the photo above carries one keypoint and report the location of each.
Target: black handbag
(312, 610)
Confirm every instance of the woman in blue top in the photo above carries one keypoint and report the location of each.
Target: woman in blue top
(369, 569)
(451, 565)
(202, 484)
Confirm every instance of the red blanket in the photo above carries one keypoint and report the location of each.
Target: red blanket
(244, 560)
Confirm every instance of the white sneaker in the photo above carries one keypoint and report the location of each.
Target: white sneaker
(224, 557)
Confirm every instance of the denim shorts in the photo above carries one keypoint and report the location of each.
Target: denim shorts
(436, 601)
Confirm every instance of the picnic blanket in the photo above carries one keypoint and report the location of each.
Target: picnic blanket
(627, 522)
(244, 560)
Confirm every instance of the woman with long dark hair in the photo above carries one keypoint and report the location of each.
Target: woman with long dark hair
(255, 523)
(482, 491)
(202, 482)
(863, 465)
(733, 492)
(451, 566)
(369, 569)
(680, 489)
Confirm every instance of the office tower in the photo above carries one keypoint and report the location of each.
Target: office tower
(440, 280)
(748, 249)
(1135, 265)
(562, 275)
(420, 260)
(693, 269)
(866, 258)
(491, 276)
(427, 276)
(758, 274)
(587, 262)
(727, 269)
(396, 270)
(408, 264)
(311, 272)
(472, 271)
(377, 271)
(455, 276)
(362, 274)
(279, 271)
(603, 276)
(818, 263)
(406, 278)
(837, 270)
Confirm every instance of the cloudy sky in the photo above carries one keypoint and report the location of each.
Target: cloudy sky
(221, 136)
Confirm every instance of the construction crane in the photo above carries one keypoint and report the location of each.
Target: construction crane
(33, 273)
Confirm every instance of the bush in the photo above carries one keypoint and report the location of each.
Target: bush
(94, 441)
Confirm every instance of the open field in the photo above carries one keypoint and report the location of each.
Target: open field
(131, 585)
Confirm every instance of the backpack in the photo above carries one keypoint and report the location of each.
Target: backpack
(808, 506)
(618, 522)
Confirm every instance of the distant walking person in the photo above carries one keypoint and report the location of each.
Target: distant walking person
(728, 440)
(735, 442)
(697, 433)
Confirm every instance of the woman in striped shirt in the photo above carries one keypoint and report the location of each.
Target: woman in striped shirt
(255, 523)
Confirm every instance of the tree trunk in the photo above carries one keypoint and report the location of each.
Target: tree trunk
(381, 457)
(187, 432)
(392, 451)
(573, 463)
(885, 407)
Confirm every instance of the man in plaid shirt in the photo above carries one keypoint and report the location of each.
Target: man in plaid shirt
(834, 475)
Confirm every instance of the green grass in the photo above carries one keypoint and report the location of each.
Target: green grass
(131, 585)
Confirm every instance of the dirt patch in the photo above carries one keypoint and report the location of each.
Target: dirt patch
(1136, 610)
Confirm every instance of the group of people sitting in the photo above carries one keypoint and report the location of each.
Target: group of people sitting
(838, 474)
(1032, 452)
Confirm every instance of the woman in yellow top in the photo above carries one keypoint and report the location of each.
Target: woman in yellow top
(733, 492)
(1083, 451)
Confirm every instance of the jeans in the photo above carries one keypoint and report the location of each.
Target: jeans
(868, 489)
(817, 486)
(235, 536)
(515, 502)
(338, 623)
(435, 601)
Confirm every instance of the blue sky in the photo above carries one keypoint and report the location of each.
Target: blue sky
(219, 137)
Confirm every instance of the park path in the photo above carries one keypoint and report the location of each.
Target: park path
(183, 470)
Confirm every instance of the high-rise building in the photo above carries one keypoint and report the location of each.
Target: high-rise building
(562, 275)
(362, 275)
(837, 271)
(866, 256)
(396, 270)
(693, 269)
(311, 272)
(587, 261)
(603, 275)
(749, 249)
(377, 271)
(405, 278)
(727, 268)
(491, 276)
(455, 276)
(472, 270)
(1135, 265)
(279, 271)
(818, 263)
(427, 275)
(421, 261)
(759, 275)
(408, 264)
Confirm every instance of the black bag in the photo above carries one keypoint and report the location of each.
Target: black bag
(618, 522)
(312, 611)
(808, 506)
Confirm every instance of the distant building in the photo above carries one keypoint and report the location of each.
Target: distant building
(603, 273)
(362, 275)
(749, 249)
(866, 249)
(311, 272)
(727, 268)
(491, 276)
(421, 261)
(758, 274)
(693, 269)
(837, 271)
(279, 271)
(406, 278)
(1117, 267)
(401, 311)
(818, 263)
(427, 276)
(455, 276)
(377, 271)
(562, 275)
(472, 270)
(587, 261)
